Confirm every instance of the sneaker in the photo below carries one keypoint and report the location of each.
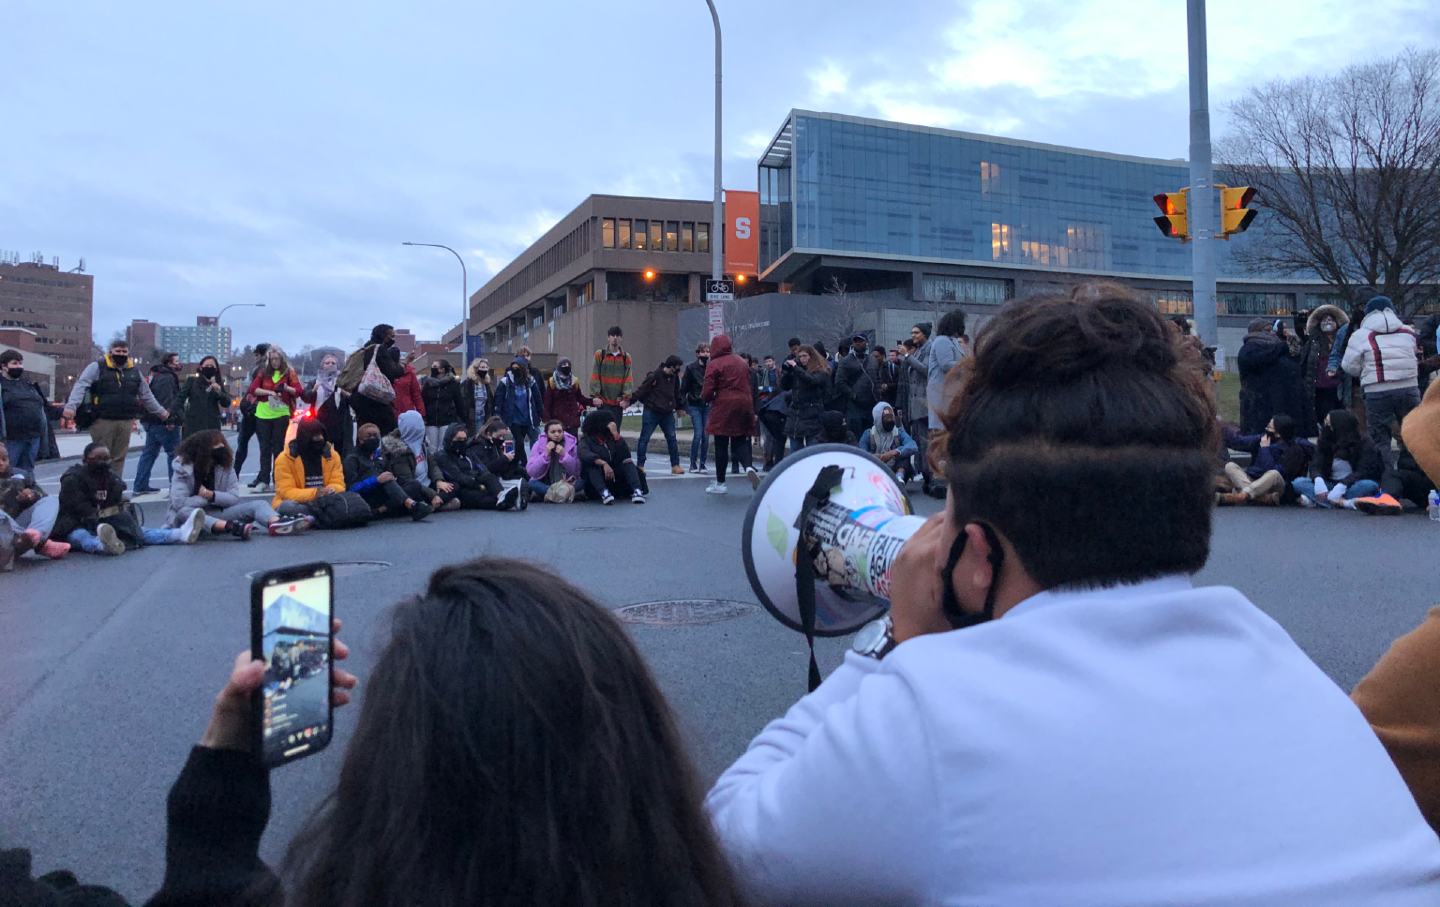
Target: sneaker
(146, 490)
(109, 540)
(420, 511)
(189, 532)
(255, 485)
(753, 476)
(1232, 499)
(509, 498)
(1269, 500)
(637, 498)
(716, 488)
(240, 530)
(677, 470)
(28, 540)
(1321, 488)
(53, 549)
(1382, 504)
(697, 470)
(1304, 501)
(286, 526)
(607, 498)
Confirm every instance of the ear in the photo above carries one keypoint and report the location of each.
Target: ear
(973, 575)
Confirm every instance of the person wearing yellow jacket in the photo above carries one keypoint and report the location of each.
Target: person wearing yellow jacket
(307, 468)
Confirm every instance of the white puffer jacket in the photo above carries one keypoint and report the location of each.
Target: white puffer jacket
(1382, 353)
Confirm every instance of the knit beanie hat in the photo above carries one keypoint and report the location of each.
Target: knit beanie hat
(1378, 303)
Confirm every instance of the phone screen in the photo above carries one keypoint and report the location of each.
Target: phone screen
(291, 610)
(509, 446)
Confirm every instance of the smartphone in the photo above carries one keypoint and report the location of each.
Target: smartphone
(509, 446)
(290, 619)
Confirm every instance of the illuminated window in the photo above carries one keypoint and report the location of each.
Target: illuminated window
(687, 237)
(657, 242)
(702, 237)
(999, 241)
(623, 233)
(672, 236)
(607, 232)
(989, 177)
(642, 228)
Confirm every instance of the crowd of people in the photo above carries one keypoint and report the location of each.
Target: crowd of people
(1052, 713)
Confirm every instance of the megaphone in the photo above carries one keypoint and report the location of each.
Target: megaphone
(858, 520)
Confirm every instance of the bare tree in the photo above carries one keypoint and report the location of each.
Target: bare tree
(1347, 173)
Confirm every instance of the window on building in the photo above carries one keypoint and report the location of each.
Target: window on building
(687, 237)
(622, 233)
(989, 177)
(607, 232)
(702, 237)
(642, 228)
(657, 241)
(999, 241)
(1255, 303)
(945, 288)
(672, 236)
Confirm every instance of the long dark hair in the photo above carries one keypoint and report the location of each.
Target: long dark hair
(1339, 437)
(512, 749)
(199, 450)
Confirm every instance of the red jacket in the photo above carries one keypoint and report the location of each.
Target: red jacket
(289, 386)
(567, 405)
(727, 390)
(407, 393)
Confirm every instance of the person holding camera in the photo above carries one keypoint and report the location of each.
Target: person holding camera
(806, 377)
(1053, 712)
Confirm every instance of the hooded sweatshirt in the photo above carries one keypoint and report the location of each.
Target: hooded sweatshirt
(1382, 353)
(877, 441)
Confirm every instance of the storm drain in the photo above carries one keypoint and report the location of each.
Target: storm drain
(344, 568)
(683, 612)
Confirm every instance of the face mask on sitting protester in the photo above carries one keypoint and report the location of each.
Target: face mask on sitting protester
(458, 444)
(370, 445)
(888, 423)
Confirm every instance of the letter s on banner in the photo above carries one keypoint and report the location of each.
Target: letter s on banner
(742, 240)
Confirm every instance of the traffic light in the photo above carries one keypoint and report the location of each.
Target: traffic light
(1234, 216)
(1173, 222)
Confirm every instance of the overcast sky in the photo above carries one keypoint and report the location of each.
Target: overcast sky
(201, 154)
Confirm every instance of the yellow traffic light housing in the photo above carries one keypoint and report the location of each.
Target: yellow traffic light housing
(1234, 216)
(1173, 221)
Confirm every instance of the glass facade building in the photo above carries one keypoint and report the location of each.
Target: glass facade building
(832, 184)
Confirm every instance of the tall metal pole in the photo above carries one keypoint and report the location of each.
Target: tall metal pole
(233, 305)
(1201, 204)
(464, 302)
(717, 219)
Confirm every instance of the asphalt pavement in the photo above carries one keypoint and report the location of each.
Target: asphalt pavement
(108, 666)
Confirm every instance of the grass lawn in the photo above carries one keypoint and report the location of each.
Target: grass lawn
(1227, 393)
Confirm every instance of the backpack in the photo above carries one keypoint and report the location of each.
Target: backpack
(341, 510)
(353, 371)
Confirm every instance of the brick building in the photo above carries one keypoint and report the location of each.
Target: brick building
(58, 306)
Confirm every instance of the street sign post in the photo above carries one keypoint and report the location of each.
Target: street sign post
(717, 293)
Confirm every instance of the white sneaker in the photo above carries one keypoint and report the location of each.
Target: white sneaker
(1306, 502)
(509, 499)
(106, 534)
(716, 488)
(607, 498)
(1321, 489)
(637, 498)
(753, 476)
(193, 526)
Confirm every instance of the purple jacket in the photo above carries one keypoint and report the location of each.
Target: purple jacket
(538, 463)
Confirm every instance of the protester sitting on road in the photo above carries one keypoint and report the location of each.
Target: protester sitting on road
(476, 488)
(887, 440)
(328, 403)
(308, 468)
(659, 394)
(27, 516)
(1277, 457)
(404, 454)
(203, 398)
(366, 475)
(1045, 672)
(554, 460)
(478, 393)
(493, 448)
(444, 402)
(606, 467)
(501, 699)
(834, 429)
(564, 399)
(1347, 465)
(205, 480)
(276, 388)
(92, 513)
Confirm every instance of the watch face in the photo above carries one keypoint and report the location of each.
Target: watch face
(870, 637)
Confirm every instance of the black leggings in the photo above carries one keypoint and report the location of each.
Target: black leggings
(724, 446)
(271, 433)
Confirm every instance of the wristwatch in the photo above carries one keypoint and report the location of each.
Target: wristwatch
(875, 639)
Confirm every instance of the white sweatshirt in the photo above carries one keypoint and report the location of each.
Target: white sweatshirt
(1145, 744)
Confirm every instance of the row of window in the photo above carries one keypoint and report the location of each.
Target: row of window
(1179, 302)
(940, 288)
(654, 235)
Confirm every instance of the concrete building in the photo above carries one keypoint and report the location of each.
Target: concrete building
(614, 260)
(39, 367)
(193, 342)
(58, 306)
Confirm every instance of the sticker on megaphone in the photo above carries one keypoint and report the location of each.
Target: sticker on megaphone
(859, 532)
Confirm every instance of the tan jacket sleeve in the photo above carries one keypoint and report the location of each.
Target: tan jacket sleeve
(1421, 432)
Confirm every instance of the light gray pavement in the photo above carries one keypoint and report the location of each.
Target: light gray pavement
(108, 666)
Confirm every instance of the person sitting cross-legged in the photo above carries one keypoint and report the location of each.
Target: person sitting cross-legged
(93, 517)
(1276, 458)
(494, 448)
(306, 469)
(205, 480)
(605, 462)
(1347, 465)
(886, 439)
(367, 476)
(405, 455)
(554, 460)
(476, 488)
(27, 516)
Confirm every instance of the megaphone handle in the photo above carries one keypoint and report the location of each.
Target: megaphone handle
(806, 550)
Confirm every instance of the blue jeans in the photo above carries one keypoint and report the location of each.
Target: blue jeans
(156, 437)
(700, 443)
(651, 420)
(23, 454)
(89, 542)
(1361, 489)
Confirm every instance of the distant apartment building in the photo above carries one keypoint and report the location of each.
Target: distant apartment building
(192, 342)
(58, 306)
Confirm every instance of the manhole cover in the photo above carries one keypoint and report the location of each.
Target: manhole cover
(682, 612)
(343, 568)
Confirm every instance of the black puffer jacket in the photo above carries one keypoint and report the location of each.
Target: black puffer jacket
(84, 497)
(491, 455)
(460, 469)
(808, 391)
(165, 385)
(691, 383)
(444, 400)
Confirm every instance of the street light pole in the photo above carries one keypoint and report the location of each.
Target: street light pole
(717, 219)
(1201, 203)
(233, 305)
(464, 302)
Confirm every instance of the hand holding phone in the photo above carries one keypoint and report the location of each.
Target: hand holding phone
(292, 646)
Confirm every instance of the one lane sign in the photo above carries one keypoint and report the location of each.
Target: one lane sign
(719, 291)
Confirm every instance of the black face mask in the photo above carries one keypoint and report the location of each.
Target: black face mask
(950, 602)
(210, 371)
(390, 341)
(434, 371)
(484, 373)
(704, 358)
(220, 455)
(119, 360)
(458, 445)
(564, 369)
(99, 468)
(15, 371)
(887, 424)
(370, 445)
(317, 445)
